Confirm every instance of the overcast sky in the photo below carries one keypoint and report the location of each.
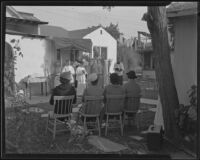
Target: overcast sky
(74, 17)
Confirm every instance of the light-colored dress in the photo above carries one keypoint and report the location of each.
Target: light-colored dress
(81, 78)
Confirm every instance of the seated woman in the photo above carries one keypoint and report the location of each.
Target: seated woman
(112, 89)
(64, 89)
(131, 87)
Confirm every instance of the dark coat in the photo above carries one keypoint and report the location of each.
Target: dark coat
(62, 90)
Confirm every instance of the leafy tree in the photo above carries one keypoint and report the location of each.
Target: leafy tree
(113, 29)
(157, 24)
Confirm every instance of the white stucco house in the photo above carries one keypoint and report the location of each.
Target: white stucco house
(103, 44)
(37, 51)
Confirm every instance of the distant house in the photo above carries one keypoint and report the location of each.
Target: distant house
(103, 44)
(183, 31)
(66, 47)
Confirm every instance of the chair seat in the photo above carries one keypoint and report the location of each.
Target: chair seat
(89, 115)
(119, 113)
(130, 111)
(52, 115)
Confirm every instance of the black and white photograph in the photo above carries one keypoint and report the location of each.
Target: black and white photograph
(100, 80)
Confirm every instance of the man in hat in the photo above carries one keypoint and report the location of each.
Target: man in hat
(69, 68)
(64, 89)
(119, 69)
(131, 87)
(93, 89)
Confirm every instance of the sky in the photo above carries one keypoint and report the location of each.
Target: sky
(77, 17)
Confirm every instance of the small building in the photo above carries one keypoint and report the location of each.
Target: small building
(66, 47)
(104, 46)
(182, 18)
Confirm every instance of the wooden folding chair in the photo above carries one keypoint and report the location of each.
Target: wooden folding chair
(114, 107)
(61, 114)
(131, 107)
(91, 109)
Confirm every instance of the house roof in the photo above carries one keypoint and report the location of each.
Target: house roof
(53, 31)
(182, 9)
(12, 32)
(81, 44)
(22, 16)
(82, 32)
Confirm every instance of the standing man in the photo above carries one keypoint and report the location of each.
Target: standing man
(69, 68)
(119, 69)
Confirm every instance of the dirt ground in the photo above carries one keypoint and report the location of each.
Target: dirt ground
(25, 133)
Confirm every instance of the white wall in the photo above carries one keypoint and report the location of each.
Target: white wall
(36, 52)
(184, 57)
(104, 40)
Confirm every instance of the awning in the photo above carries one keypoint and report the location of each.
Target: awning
(81, 44)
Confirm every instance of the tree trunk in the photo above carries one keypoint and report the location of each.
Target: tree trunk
(157, 24)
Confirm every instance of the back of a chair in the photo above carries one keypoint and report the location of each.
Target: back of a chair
(93, 104)
(114, 103)
(132, 103)
(63, 104)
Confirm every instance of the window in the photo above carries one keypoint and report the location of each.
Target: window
(96, 51)
(100, 52)
(104, 53)
(58, 54)
(100, 31)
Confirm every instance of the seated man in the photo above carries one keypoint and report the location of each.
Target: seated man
(93, 89)
(64, 89)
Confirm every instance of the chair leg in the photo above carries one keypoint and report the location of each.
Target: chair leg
(137, 119)
(124, 119)
(99, 127)
(47, 125)
(106, 124)
(121, 124)
(54, 129)
(85, 126)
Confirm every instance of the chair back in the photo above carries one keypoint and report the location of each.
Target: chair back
(132, 103)
(93, 104)
(114, 103)
(63, 104)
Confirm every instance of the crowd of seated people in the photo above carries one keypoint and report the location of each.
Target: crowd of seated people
(131, 88)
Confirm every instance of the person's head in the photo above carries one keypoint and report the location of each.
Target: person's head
(93, 79)
(131, 74)
(114, 78)
(65, 77)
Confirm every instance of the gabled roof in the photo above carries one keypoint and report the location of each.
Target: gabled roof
(22, 16)
(182, 9)
(54, 31)
(82, 32)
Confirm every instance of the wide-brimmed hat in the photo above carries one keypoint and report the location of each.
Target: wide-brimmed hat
(131, 74)
(66, 75)
(92, 77)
